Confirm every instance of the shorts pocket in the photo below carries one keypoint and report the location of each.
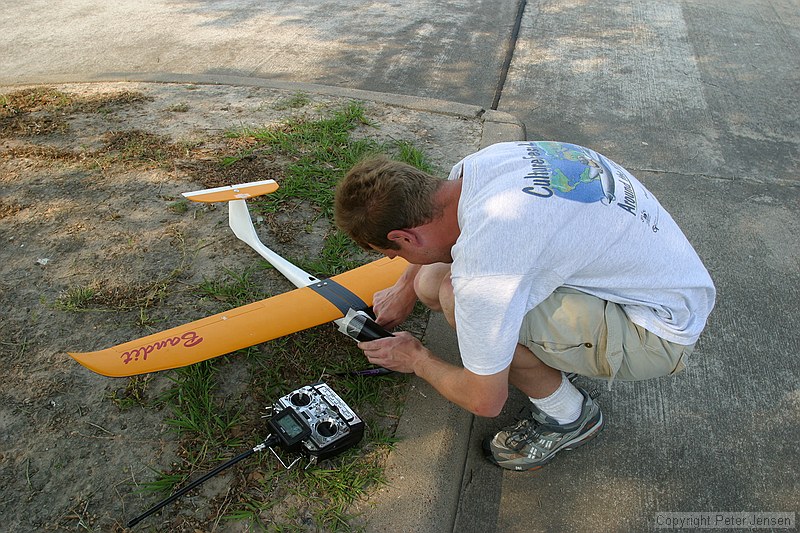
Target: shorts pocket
(567, 331)
(582, 358)
(556, 347)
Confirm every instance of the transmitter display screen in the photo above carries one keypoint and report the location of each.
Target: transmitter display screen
(290, 426)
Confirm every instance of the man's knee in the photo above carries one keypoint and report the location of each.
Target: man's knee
(530, 375)
(433, 287)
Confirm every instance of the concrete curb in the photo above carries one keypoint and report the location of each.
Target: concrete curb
(426, 469)
(424, 472)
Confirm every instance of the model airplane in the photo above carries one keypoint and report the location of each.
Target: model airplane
(314, 302)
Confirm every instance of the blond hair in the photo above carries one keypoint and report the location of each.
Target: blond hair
(380, 195)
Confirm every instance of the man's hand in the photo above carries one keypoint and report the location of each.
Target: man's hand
(393, 305)
(398, 353)
(481, 395)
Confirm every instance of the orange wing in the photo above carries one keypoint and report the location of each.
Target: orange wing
(240, 327)
(233, 192)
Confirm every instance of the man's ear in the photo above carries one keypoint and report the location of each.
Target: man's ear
(403, 236)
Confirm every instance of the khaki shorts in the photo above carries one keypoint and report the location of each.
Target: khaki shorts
(575, 332)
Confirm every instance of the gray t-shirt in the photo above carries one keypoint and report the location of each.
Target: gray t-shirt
(535, 216)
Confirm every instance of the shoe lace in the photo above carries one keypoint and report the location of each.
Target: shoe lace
(526, 430)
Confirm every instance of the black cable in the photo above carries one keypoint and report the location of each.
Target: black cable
(271, 441)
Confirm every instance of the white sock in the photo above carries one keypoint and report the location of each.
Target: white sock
(564, 404)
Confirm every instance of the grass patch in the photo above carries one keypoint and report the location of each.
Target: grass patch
(134, 393)
(101, 296)
(138, 148)
(121, 150)
(49, 99)
(235, 289)
(44, 110)
(215, 406)
(76, 299)
(179, 207)
(318, 153)
(181, 107)
(196, 412)
(34, 100)
(164, 483)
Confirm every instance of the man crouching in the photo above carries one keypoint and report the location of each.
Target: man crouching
(548, 259)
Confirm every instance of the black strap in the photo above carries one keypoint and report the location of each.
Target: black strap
(339, 295)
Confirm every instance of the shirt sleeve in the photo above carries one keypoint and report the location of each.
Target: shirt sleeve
(489, 311)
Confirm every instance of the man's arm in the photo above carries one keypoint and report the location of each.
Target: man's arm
(481, 395)
(393, 305)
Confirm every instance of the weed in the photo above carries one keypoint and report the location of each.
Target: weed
(249, 511)
(100, 296)
(179, 207)
(320, 151)
(145, 320)
(9, 209)
(47, 153)
(182, 107)
(139, 147)
(134, 392)
(163, 483)
(235, 290)
(204, 423)
(76, 299)
(341, 486)
(296, 101)
(338, 254)
(33, 100)
(15, 348)
(382, 437)
(105, 102)
(44, 110)
(408, 153)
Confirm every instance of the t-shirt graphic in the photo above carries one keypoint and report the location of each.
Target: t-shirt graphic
(579, 174)
(576, 174)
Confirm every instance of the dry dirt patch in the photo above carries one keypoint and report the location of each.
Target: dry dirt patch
(96, 248)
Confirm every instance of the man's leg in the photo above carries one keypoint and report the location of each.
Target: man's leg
(435, 291)
(531, 375)
(544, 385)
(562, 417)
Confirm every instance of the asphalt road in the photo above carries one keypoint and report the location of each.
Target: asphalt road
(698, 98)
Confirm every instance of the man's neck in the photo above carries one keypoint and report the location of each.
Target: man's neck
(447, 197)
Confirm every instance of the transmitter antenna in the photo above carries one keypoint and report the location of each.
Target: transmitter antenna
(271, 441)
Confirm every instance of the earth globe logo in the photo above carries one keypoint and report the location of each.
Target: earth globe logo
(575, 176)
